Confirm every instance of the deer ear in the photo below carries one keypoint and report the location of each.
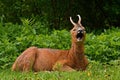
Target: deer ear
(72, 21)
(79, 21)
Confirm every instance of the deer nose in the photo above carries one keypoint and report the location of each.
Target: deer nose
(80, 31)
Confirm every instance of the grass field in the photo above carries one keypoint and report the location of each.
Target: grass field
(95, 71)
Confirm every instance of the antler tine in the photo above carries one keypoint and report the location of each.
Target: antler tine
(79, 21)
(72, 21)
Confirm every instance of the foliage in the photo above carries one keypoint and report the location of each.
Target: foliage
(94, 13)
(95, 71)
(104, 47)
(14, 39)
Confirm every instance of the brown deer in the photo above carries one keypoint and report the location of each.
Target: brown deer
(44, 59)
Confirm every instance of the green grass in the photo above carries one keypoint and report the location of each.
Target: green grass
(95, 71)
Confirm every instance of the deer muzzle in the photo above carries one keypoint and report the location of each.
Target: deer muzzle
(80, 35)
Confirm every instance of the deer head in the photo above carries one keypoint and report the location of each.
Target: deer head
(78, 32)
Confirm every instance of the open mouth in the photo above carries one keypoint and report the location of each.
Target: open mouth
(80, 35)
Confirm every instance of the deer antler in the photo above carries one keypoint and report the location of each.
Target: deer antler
(72, 21)
(79, 21)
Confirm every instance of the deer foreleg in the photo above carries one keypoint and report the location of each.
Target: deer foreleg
(61, 66)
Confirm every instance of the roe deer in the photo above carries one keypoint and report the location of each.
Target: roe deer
(44, 59)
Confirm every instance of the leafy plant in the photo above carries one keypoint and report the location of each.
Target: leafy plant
(104, 47)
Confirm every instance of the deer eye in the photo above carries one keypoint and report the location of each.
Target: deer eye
(84, 29)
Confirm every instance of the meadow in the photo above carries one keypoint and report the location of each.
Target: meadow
(102, 48)
(95, 71)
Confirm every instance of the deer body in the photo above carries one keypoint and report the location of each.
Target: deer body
(44, 59)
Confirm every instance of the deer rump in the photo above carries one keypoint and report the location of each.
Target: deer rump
(44, 59)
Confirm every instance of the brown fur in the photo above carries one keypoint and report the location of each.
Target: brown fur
(41, 59)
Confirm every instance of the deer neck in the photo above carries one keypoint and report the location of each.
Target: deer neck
(77, 57)
(77, 49)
